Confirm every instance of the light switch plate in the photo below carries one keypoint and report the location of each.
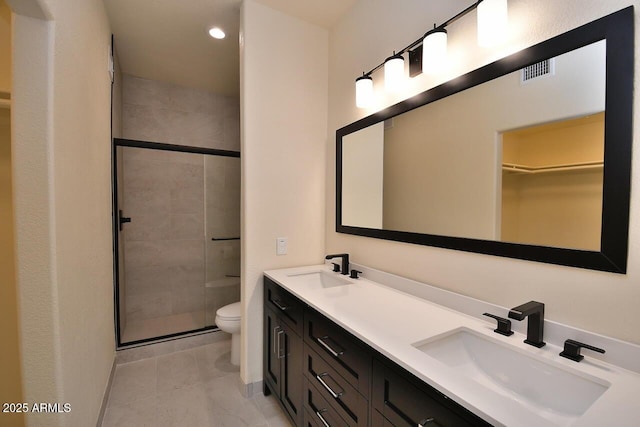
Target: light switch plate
(281, 245)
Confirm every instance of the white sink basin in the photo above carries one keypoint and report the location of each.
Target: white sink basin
(553, 392)
(319, 280)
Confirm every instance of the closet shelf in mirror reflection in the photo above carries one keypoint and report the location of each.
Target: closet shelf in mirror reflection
(517, 168)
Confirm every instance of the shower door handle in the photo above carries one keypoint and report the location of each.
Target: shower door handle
(122, 219)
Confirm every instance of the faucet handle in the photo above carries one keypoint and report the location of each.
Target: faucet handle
(504, 325)
(354, 274)
(572, 350)
(336, 267)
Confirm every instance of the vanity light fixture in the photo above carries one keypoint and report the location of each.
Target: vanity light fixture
(431, 58)
(364, 91)
(434, 50)
(394, 72)
(217, 33)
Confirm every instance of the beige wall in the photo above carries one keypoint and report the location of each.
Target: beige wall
(10, 372)
(596, 301)
(283, 66)
(61, 141)
(5, 47)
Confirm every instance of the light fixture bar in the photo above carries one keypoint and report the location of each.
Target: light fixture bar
(471, 8)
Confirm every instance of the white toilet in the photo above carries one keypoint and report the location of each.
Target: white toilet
(228, 320)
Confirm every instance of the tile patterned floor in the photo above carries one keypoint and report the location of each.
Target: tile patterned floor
(195, 387)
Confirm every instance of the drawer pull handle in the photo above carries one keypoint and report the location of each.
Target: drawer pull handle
(319, 414)
(278, 304)
(328, 347)
(426, 421)
(326, 386)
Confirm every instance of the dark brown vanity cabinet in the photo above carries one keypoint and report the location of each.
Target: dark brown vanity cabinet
(400, 399)
(326, 377)
(283, 353)
(337, 370)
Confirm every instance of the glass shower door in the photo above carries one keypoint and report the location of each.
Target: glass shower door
(161, 242)
(222, 218)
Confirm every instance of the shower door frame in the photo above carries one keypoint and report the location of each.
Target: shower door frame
(122, 142)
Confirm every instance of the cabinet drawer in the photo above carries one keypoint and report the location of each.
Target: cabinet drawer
(336, 390)
(350, 358)
(318, 412)
(404, 400)
(285, 304)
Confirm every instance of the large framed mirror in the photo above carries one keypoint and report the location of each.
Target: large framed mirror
(528, 157)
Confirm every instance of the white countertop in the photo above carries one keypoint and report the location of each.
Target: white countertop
(390, 321)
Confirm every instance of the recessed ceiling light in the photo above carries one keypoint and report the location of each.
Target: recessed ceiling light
(216, 33)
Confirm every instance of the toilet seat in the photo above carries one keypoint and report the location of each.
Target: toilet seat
(229, 312)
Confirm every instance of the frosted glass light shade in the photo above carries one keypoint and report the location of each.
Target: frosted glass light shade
(434, 51)
(364, 92)
(492, 22)
(394, 73)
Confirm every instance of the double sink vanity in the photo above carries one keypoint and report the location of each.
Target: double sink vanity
(343, 351)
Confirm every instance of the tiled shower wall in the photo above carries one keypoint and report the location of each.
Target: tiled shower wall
(162, 112)
(172, 267)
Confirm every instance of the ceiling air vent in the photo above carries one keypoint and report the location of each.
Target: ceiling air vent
(538, 70)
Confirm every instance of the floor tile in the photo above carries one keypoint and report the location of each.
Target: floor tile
(141, 413)
(214, 361)
(186, 406)
(177, 370)
(133, 381)
(198, 387)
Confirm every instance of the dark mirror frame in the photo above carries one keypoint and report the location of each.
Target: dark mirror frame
(618, 31)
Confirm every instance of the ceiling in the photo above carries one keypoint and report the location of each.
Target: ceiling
(167, 40)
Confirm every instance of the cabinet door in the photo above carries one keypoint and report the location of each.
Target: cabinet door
(273, 334)
(291, 373)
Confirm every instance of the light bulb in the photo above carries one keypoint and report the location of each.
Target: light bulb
(434, 50)
(364, 91)
(394, 73)
(493, 20)
(216, 33)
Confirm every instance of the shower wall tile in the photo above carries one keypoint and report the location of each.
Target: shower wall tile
(147, 280)
(163, 112)
(145, 200)
(188, 300)
(145, 227)
(164, 194)
(148, 306)
(185, 227)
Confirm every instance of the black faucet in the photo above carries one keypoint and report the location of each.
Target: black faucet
(535, 328)
(345, 262)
